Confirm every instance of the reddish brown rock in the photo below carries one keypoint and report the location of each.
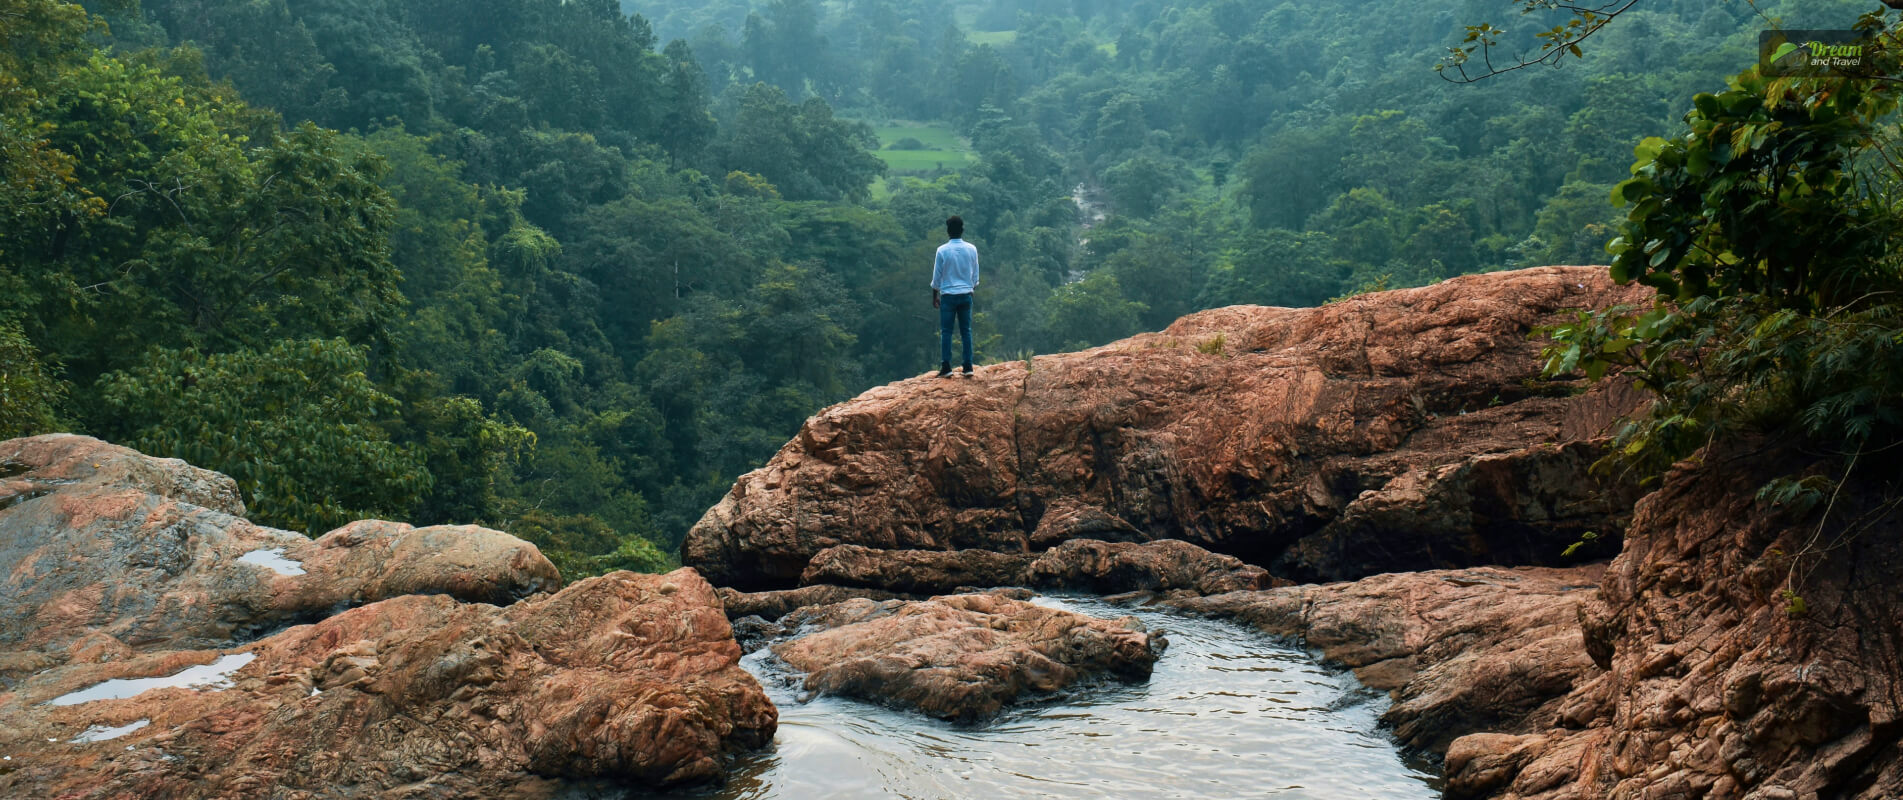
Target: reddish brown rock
(1241, 429)
(1716, 685)
(1483, 763)
(1461, 651)
(98, 540)
(961, 656)
(1080, 564)
(627, 678)
(779, 602)
(1066, 519)
(1523, 507)
(1112, 567)
(914, 571)
(39, 465)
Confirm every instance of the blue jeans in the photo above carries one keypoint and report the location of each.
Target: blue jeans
(950, 307)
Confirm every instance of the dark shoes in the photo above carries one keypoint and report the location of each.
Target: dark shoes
(967, 370)
(944, 369)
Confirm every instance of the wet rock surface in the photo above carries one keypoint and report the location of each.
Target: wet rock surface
(1242, 429)
(144, 651)
(960, 657)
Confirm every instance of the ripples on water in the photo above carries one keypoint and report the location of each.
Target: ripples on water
(1227, 713)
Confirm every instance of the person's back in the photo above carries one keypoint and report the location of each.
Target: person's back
(955, 270)
(954, 278)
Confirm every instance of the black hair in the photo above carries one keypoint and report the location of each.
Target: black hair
(955, 227)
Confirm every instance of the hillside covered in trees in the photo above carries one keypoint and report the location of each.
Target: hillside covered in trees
(567, 269)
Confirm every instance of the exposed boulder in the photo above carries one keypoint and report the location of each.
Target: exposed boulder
(1461, 651)
(99, 540)
(624, 678)
(1241, 429)
(960, 656)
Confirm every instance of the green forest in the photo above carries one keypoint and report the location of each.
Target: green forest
(566, 269)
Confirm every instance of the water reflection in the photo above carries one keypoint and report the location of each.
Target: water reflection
(1225, 714)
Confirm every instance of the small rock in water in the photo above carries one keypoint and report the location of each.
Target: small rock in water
(961, 656)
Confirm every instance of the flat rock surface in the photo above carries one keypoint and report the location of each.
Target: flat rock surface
(960, 656)
(1241, 429)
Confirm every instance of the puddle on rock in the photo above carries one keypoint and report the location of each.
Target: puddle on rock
(101, 733)
(216, 675)
(273, 559)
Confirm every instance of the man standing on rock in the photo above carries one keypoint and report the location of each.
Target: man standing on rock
(954, 277)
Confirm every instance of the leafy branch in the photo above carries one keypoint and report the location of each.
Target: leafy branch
(1555, 43)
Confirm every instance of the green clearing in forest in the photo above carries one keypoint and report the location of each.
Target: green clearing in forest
(993, 38)
(944, 148)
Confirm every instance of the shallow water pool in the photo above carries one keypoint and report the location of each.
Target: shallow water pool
(1227, 713)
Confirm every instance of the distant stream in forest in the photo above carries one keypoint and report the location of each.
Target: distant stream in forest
(1227, 713)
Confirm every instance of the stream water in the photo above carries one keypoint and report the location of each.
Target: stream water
(1227, 713)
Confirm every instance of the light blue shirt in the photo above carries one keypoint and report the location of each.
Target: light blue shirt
(955, 269)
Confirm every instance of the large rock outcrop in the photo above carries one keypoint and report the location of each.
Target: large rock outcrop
(1716, 683)
(154, 643)
(960, 656)
(1243, 429)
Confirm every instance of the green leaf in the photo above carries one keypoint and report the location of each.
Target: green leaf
(1631, 190)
